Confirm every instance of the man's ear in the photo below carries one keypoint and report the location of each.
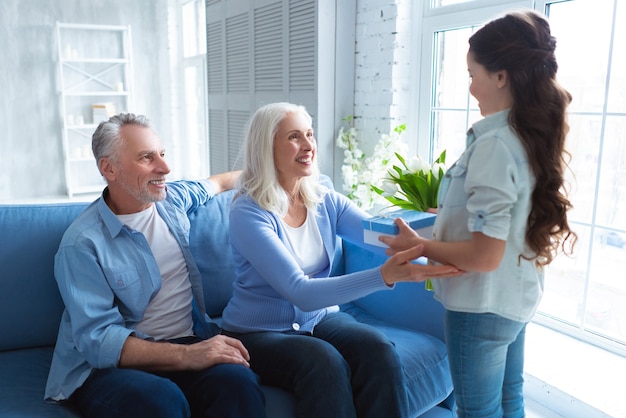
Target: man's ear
(107, 168)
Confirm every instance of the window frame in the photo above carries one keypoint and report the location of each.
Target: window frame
(458, 16)
(441, 19)
(184, 149)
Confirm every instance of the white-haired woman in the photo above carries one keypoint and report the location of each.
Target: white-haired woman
(284, 225)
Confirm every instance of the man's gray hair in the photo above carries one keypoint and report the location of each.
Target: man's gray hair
(106, 139)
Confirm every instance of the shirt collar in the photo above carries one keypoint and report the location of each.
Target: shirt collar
(494, 121)
(111, 222)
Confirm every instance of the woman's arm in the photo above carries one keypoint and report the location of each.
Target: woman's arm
(254, 236)
(399, 268)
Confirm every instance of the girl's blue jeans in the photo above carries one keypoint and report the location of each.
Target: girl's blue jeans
(486, 353)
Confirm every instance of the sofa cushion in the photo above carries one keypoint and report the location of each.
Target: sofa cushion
(23, 375)
(404, 298)
(31, 307)
(424, 358)
(210, 246)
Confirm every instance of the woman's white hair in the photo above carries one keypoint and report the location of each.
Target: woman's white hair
(259, 178)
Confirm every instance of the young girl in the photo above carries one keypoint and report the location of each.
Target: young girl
(502, 212)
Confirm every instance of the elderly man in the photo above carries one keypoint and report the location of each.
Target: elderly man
(134, 339)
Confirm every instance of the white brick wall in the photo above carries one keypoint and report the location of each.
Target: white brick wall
(383, 70)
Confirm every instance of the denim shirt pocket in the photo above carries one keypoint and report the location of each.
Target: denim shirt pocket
(131, 290)
(452, 190)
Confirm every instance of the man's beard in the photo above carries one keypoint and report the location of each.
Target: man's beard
(143, 194)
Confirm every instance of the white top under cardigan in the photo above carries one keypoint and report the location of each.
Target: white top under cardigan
(305, 244)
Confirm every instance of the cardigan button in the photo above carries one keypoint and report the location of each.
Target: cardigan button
(295, 326)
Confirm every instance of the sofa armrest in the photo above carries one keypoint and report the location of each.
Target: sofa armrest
(408, 305)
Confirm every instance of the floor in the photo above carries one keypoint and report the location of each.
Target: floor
(572, 379)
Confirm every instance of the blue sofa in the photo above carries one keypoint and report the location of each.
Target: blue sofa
(30, 309)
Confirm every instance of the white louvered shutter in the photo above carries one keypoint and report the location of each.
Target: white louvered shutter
(256, 54)
(263, 51)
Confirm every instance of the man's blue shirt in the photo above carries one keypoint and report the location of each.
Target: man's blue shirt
(107, 275)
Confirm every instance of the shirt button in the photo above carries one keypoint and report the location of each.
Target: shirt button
(295, 326)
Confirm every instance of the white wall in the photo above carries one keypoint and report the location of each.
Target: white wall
(31, 160)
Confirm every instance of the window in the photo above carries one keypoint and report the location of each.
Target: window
(585, 295)
(193, 91)
(443, 3)
(587, 292)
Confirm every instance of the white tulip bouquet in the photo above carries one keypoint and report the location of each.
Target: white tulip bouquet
(411, 184)
(414, 185)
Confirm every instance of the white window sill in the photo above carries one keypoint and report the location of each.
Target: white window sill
(570, 378)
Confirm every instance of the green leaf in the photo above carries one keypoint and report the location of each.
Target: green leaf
(377, 190)
(442, 157)
(421, 185)
(402, 160)
(414, 198)
(400, 128)
(399, 202)
(398, 170)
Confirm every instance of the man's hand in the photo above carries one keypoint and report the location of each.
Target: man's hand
(164, 356)
(216, 350)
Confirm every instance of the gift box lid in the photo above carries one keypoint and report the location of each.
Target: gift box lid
(384, 223)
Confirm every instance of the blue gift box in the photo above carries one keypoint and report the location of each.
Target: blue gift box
(374, 227)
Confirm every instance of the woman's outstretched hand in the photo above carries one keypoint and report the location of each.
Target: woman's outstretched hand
(399, 267)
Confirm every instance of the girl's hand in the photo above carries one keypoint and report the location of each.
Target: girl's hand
(405, 239)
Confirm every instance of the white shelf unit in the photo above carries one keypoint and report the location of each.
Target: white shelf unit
(95, 67)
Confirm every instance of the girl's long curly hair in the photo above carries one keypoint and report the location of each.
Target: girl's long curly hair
(521, 44)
